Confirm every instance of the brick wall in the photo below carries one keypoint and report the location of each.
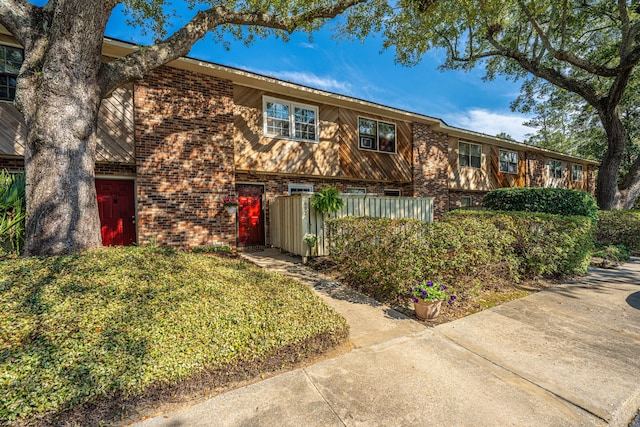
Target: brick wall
(535, 169)
(184, 158)
(278, 185)
(118, 169)
(12, 164)
(430, 165)
(455, 198)
(591, 179)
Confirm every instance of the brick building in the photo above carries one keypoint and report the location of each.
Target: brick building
(172, 145)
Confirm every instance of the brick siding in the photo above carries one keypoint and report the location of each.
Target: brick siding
(455, 198)
(430, 166)
(12, 164)
(278, 185)
(116, 169)
(591, 179)
(536, 169)
(184, 158)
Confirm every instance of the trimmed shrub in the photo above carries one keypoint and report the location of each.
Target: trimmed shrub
(619, 228)
(384, 257)
(558, 201)
(544, 244)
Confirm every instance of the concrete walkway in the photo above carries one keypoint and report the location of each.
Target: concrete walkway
(565, 356)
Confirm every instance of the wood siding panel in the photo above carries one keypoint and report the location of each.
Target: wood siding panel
(293, 216)
(499, 179)
(551, 182)
(467, 178)
(12, 130)
(365, 164)
(262, 154)
(115, 128)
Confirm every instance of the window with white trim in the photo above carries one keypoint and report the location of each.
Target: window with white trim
(355, 190)
(469, 155)
(392, 192)
(555, 168)
(466, 201)
(576, 173)
(300, 188)
(376, 135)
(10, 62)
(290, 119)
(508, 161)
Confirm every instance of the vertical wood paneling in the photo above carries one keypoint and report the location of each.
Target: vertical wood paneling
(468, 178)
(115, 128)
(366, 164)
(293, 216)
(257, 153)
(499, 179)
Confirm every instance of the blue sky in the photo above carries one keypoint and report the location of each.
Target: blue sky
(361, 70)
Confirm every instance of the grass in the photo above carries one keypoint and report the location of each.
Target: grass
(115, 323)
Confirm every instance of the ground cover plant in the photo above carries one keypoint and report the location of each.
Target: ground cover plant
(80, 331)
(477, 254)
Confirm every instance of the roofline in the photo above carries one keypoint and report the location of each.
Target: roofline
(258, 81)
(117, 48)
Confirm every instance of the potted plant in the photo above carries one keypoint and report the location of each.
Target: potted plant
(427, 299)
(311, 239)
(327, 200)
(230, 203)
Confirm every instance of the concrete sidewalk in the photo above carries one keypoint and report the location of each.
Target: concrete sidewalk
(565, 356)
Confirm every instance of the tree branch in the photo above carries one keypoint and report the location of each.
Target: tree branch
(563, 55)
(136, 64)
(17, 17)
(550, 74)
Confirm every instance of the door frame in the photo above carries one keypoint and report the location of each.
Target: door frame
(263, 214)
(135, 194)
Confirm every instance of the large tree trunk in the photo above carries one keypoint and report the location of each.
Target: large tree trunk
(607, 192)
(59, 95)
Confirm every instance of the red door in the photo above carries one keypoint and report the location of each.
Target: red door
(117, 212)
(250, 221)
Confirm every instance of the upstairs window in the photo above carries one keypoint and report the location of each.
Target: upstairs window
(469, 155)
(555, 168)
(376, 135)
(10, 62)
(508, 161)
(576, 173)
(290, 120)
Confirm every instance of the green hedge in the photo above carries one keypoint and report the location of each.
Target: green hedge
(558, 201)
(544, 244)
(384, 257)
(619, 228)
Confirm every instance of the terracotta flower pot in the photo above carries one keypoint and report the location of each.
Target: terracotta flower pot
(427, 310)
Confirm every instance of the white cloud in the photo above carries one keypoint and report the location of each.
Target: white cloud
(307, 45)
(490, 122)
(305, 78)
(318, 82)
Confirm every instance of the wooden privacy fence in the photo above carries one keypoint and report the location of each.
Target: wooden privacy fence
(291, 217)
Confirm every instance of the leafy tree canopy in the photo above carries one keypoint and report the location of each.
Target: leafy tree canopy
(589, 48)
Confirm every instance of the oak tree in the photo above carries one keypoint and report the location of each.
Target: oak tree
(587, 47)
(62, 81)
